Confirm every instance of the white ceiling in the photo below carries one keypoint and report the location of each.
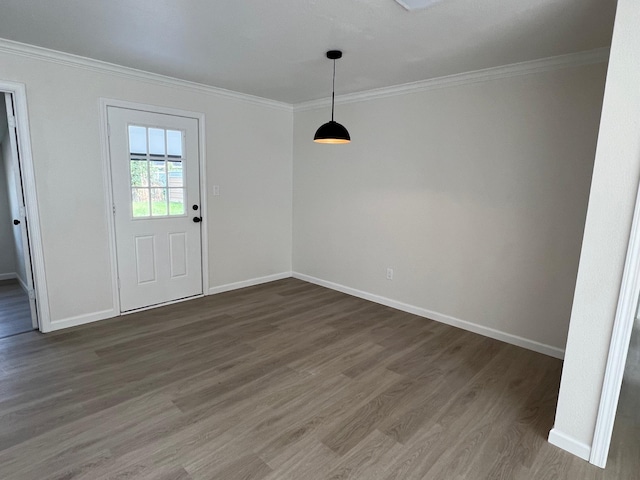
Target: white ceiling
(275, 48)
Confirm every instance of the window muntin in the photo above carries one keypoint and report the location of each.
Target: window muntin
(156, 166)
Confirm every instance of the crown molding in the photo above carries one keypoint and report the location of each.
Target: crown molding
(76, 61)
(600, 55)
(589, 57)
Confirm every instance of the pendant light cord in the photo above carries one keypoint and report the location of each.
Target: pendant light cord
(333, 89)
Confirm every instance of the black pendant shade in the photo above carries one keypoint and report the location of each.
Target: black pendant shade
(332, 132)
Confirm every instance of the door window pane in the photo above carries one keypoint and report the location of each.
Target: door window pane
(156, 141)
(174, 143)
(159, 202)
(137, 140)
(158, 173)
(174, 173)
(176, 201)
(139, 174)
(140, 202)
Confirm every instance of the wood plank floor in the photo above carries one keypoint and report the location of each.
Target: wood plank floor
(15, 313)
(286, 380)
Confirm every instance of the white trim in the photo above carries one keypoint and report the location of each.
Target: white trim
(439, 317)
(249, 283)
(619, 347)
(104, 103)
(19, 92)
(15, 276)
(108, 195)
(589, 57)
(145, 107)
(70, 60)
(568, 443)
(82, 319)
(204, 211)
(105, 314)
(24, 286)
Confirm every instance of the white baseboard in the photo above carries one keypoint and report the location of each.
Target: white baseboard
(248, 283)
(81, 319)
(439, 317)
(570, 444)
(104, 314)
(23, 284)
(15, 276)
(8, 276)
(472, 327)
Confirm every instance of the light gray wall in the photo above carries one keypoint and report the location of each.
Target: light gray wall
(476, 195)
(608, 225)
(249, 155)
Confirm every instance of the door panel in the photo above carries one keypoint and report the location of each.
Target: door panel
(146, 259)
(156, 183)
(178, 252)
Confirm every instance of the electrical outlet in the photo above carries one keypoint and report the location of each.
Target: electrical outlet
(389, 273)
(216, 190)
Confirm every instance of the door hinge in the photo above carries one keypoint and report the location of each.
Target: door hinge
(118, 283)
(23, 212)
(11, 121)
(108, 130)
(32, 294)
(113, 208)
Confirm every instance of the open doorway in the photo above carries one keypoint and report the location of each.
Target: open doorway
(18, 309)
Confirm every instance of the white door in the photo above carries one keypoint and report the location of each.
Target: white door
(18, 211)
(155, 173)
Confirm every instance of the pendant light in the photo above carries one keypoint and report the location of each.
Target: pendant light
(332, 132)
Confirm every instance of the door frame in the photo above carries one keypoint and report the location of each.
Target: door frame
(27, 172)
(104, 103)
(626, 312)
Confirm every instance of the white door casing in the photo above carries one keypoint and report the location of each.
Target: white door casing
(20, 215)
(158, 243)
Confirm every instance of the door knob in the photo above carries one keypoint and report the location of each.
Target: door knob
(16, 222)
(197, 219)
